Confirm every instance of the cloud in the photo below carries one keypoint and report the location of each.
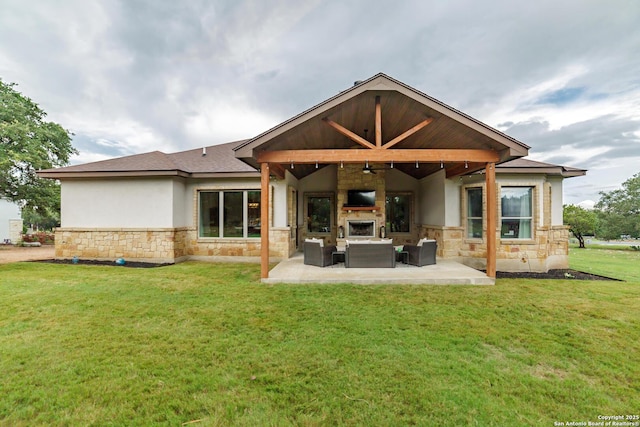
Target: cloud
(130, 77)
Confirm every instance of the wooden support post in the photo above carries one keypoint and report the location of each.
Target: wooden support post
(264, 220)
(492, 207)
(378, 123)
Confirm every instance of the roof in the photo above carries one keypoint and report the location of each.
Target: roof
(532, 166)
(212, 161)
(402, 108)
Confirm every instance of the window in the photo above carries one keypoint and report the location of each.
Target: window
(474, 213)
(319, 214)
(398, 213)
(517, 213)
(229, 213)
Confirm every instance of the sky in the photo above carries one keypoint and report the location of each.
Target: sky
(132, 76)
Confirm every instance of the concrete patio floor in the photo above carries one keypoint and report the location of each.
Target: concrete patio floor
(444, 272)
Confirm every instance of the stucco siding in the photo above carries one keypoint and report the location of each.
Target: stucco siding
(431, 200)
(9, 215)
(122, 203)
(180, 219)
(556, 201)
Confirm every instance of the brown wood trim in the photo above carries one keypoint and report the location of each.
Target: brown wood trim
(277, 170)
(378, 123)
(360, 156)
(264, 220)
(492, 208)
(408, 133)
(346, 132)
(360, 208)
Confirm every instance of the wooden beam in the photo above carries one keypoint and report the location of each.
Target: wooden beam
(360, 156)
(492, 214)
(408, 133)
(378, 123)
(346, 132)
(264, 220)
(462, 169)
(277, 170)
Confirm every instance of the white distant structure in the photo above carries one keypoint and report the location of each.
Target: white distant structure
(587, 204)
(10, 222)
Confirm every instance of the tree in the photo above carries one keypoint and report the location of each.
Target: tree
(28, 143)
(619, 210)
(581, 221)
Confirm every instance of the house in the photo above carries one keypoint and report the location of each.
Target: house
(380, 158)
(10, 222)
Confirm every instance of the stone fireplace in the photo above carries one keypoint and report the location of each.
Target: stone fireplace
(350, 177)
(361, 228)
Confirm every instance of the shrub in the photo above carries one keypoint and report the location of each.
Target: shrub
(43, 237)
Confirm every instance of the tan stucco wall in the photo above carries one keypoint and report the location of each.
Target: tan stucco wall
(119, 203)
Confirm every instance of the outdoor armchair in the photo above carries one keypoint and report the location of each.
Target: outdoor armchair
(424, 253)
(316, 253)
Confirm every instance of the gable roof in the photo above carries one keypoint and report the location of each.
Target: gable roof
(219, 160)
(402, 108)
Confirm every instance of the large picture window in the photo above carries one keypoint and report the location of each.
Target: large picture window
(474, 213)
(398, 213)
(517, 212)
(229, 213)
(319, 214)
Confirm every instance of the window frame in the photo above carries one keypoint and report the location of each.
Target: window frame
(467, 217)
(387, 222)
(221, 212)
(531, 218)
(332, 214)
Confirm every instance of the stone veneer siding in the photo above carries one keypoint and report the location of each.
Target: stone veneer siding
(548, 250)
(350, 177)
(164, 245)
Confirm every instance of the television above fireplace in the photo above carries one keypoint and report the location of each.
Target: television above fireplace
(360, 198)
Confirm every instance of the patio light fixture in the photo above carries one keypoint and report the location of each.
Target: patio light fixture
(366, 168)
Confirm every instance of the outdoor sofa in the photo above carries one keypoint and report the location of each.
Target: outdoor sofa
(370, 254)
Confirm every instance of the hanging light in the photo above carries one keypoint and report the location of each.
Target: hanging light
(291, 164)
(441, 164)
(466, 165)
(366, 168)
(417, 165)
(391, 164)
(316, 164)
(341, 164)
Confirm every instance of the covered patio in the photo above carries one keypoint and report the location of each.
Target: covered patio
(376, 126)
(444, 272)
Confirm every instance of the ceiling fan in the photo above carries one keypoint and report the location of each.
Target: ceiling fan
(369, 170)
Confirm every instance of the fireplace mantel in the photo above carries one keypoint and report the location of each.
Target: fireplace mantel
(360, 208)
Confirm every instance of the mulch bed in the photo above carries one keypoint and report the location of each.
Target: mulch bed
(129, 264)
(561, 274)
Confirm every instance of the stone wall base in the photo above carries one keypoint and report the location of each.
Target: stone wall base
(548, 250)
(163, 245)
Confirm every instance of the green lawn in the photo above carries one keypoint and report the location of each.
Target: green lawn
(609, 262)
(207, 344)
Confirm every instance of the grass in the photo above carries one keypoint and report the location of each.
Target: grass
(207, 344)
(609, 262)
